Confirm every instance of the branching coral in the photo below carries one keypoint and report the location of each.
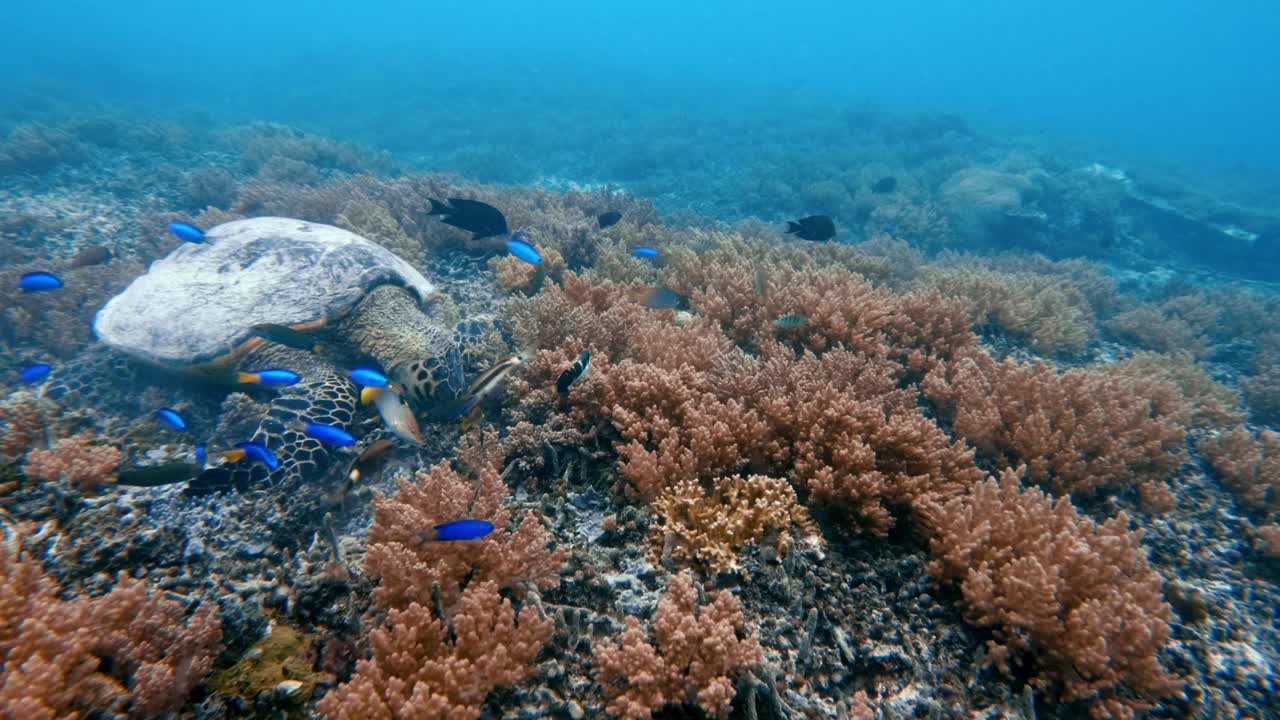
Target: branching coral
(1263, 392)
(694, 655)
(1075, 431)
(1075, 600)
(127, 652)
(1179, 324)
(1249, 466)
(408, 564)
(1195, 400)
(1048, 311)
(77, 460)
(424, 668)
(710, 528)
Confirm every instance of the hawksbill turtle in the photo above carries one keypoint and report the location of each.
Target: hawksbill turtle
(193, 313)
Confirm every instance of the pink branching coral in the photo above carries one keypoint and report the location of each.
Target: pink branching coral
(423, 668)
(77, 459)
(695, 653)
(1249, 466)
(440, 660)
(1074, 599)
(408, 563)
(126, 652)
(1075, 431)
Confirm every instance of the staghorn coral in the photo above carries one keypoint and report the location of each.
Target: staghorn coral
(75, 459)
(1048, 312)
(1198, 402)
(1248, 465)
(1178, 324)
(695, 652)
(1263, 392)
(1075, 431)
(408, 564)
(709, 528)
(429, 668)
(1074, 600)
(126, 652)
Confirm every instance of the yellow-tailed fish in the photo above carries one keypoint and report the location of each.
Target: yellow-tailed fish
(397, 416)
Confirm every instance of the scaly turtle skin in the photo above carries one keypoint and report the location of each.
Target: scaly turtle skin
(193, 313)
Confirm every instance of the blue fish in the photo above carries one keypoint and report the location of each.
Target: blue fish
(201, 457)
(253, 451)
(187, 232)
(330, 435)
(171, 418)
(367, 377)
(271, 377)
(645, 252)
(466, 529)
(39, 281)
(34, 373)
(523, 250)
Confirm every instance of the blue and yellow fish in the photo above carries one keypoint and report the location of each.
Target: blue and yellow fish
(271, 377)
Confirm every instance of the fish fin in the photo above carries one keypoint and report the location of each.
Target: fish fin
(246, 378)
(369, 394)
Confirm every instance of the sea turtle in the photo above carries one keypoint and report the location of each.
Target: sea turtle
(194, 313)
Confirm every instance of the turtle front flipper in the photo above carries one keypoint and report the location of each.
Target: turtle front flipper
(323, 396)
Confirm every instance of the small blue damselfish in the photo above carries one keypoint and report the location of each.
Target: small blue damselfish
(201, 457)
(367, 377)
(645, 252)
(39, 281)
(330, 435)
(34, 373)
(523, 250)
(187, 232)
(465, 529)
(171, 418)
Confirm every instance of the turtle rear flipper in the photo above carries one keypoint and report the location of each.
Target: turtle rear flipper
(323, 397)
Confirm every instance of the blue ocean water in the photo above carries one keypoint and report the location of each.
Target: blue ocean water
(570, 84)
(653, 360)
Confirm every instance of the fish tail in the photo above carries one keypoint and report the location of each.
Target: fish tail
(793, 227)
(437, 207)
(247, 378)
(233, 455)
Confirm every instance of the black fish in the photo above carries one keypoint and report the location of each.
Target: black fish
(575, 371)
(886, 184)
(814, 227)
(157, 475)
(610, 218)
(481, 219)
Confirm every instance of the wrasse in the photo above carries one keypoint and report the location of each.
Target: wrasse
(157, 475)
(574, 372)
(397, 416)
(793, 320)
(491, 379)
(287, 336)
(271, 377)
(370, 461)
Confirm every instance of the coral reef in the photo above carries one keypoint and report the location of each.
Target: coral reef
(1076, 601)
(1075, 431)
(76, 460)
(129, 651)
(693, 657)
(1248, 465)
